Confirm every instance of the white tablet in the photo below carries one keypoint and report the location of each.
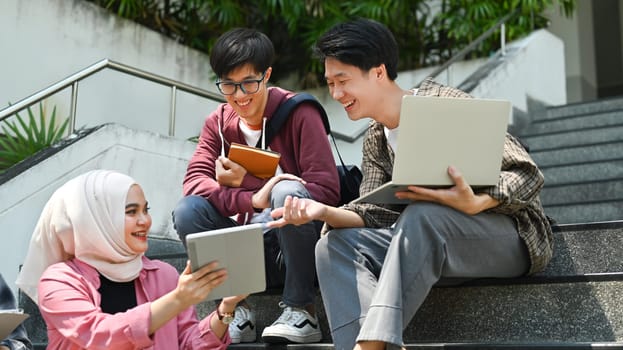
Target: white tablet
(239, 249)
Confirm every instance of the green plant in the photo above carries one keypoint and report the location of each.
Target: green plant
(21, 139)
(428, 32)
(461, 21)
(194, 139)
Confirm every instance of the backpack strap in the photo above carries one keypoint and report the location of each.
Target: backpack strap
(285, 109)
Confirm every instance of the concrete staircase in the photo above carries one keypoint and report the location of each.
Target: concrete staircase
(579, 147)
(576, 303)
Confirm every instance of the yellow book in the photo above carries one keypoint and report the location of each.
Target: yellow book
(259, 162)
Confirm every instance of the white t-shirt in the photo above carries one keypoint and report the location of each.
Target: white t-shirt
(392, 134)
(251, 137)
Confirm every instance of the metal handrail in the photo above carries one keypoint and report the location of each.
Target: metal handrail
(73, 80)
(472, 45)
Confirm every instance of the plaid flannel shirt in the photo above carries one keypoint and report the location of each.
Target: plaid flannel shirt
(517, 190)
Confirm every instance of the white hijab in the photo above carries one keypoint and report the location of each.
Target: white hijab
(85, 219)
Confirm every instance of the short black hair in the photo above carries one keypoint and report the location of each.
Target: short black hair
(363, 43)
(240, 46)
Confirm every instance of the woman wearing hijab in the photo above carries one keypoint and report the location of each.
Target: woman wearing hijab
(95, 289)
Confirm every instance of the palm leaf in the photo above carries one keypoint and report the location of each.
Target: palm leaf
(56, 133)
(50, 133)
(21, 139)
(39, 129)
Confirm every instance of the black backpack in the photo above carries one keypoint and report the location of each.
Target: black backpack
(350, 175)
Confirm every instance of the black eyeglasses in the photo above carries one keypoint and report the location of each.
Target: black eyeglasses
(249, 86)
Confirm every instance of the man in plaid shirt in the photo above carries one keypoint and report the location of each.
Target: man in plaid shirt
(376, 264)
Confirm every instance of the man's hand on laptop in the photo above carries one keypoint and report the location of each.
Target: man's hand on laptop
(460, 196)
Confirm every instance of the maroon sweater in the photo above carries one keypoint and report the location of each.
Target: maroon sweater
(303, 145)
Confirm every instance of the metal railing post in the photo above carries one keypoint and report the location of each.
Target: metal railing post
(72, 107)
(503, 39)
(52, 89)
(172, 111)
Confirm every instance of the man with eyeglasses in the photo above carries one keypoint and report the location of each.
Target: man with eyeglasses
(220, 193)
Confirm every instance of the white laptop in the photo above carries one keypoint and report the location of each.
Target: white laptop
(436, 132)
(239, 249)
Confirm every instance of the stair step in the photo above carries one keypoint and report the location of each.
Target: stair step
(584, 249)
(578, 155)
(585, 269)
(557, 312)
(593, 192)
(582, 173)
(575, 137)
(585, 212)
(584, 108)
(579, 149)
(573, 122)
(567, 312)
(441, 346)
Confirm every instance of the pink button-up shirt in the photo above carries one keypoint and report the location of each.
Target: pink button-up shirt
(70, 305)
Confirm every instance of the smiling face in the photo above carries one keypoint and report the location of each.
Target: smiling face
(250, 107)
(137, 220)
(355, 89)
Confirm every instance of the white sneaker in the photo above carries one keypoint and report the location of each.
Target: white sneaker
(242, 328)
(293, 326)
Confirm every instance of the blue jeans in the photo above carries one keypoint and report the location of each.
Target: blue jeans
(288, 251)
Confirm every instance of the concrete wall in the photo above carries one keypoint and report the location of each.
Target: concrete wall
(607, 47)
(621, 24)
(577, 35)
(534, 68)
(157, 163)
(593, 40)
(45, 41)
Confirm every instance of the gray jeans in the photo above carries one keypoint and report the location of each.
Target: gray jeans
(428, 242)
(289, 251)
